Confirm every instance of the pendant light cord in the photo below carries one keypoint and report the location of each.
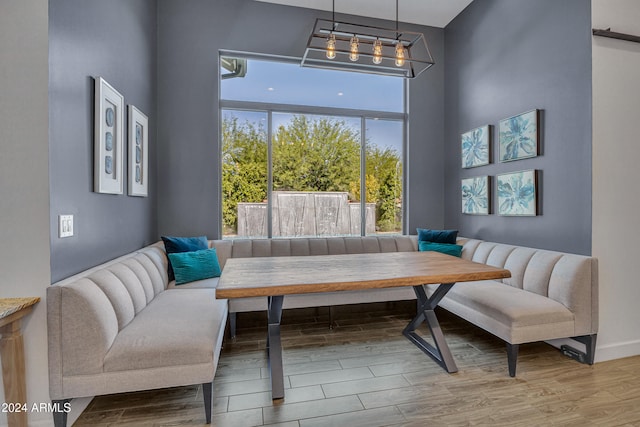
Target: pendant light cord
(397, 35)
(334, 15)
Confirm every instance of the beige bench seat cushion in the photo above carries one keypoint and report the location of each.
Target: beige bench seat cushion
(513, 314)
(188, 320)
(210, 283)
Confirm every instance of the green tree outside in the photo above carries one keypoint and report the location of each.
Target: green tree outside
(308, 154)
(386, 167)
(315, 155)
(244, 168)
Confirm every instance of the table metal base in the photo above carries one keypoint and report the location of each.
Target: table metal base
(440, 353)
(274, 347)
(426, 306)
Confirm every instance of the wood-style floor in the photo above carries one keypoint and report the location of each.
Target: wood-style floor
(365, 373)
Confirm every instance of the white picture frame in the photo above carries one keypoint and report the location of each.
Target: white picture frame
(476, 198)
(519, 136)
(476, 147)
(518, 193)
(108, 138)
(138, 153)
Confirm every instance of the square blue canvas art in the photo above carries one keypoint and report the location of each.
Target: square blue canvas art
(475, 147)
(475, 195)
(517, 193)
(519, 136)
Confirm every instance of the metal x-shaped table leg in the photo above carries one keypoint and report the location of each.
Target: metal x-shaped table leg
(440, 353)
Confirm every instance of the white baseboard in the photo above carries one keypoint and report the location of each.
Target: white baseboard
(617, 350)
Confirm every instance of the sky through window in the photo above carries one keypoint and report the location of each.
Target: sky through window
(289, 83)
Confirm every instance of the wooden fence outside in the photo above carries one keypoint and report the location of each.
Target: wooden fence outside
(305, 213)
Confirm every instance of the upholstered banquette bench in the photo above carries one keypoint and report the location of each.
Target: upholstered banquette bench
(550, 295)
(123, 326)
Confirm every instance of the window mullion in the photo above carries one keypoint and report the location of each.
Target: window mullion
(363, 180)
(269, 175)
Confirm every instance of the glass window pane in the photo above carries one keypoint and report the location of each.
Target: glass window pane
(289, 83)
(384, 173)
(316, 169)
(244, 173)
(315, 157)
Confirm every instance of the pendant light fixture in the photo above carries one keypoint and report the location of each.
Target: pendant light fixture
(399, 54)
(331, 40)
(353, 47)
(331, 46)
(399, 46)
(377, 52)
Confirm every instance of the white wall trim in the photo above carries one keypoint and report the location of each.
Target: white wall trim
(617, 350)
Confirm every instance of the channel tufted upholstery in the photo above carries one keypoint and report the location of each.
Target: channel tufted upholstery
(551, 294)
(122, 327)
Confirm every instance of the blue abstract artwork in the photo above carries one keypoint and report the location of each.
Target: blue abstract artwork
(519, 136)
(517, 193)
(475, 147)
(475, 195)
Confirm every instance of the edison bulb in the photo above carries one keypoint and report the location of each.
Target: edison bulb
(331, 46)
(399, 54)
(354, 54)
(377, 51)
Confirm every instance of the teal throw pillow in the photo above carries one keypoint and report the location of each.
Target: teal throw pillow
(437, 236)
(445, 248)
(195, 265)
(182, 244)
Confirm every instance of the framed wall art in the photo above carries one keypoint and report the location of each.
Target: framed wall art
(518, 193)
(108, 138)
(475, 147)
(475, 195)
(138, 153)
(519, 137)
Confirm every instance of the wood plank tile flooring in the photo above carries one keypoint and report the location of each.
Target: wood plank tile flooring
(365, 373)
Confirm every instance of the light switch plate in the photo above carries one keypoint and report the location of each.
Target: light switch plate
(65, 226)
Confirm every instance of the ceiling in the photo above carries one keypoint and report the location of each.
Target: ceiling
(435, 13)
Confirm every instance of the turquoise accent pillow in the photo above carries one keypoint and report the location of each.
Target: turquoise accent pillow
(182, 244)
(437, 236)
(195, 265)
(445, 248)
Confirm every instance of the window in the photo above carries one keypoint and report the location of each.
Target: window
(300, 146)
(383, 172)
(244, 173)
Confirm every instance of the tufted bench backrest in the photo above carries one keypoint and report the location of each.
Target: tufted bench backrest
(567, 278)
(246, 248)
(85, 312)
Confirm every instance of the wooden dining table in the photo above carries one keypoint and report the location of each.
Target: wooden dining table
(276, 277)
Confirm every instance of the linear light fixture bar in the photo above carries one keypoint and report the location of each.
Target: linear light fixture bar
(417, 56)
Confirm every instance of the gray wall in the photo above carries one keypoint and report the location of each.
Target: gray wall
(115, 39)
(504, 57)
(190, 34)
